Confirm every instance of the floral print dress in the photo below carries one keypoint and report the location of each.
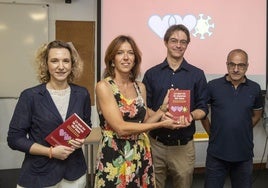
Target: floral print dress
(124, 161)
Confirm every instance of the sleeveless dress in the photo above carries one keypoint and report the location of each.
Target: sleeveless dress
(124, 161)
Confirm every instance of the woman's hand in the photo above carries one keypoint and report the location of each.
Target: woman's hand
(170, 123)
(164, 106)
(61, 152)
(77, 143)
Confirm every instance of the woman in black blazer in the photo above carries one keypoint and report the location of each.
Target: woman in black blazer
(40, 110)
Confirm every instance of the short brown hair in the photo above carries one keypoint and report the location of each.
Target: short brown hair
(174, 28)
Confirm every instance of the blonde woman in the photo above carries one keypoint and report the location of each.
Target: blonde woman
(40, 110)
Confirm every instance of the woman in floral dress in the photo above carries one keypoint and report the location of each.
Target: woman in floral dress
(124, 157)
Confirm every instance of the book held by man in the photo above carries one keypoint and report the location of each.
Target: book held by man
(74, 127)
(179, 103)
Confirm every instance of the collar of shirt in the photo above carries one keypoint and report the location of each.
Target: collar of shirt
(184, 65)
(229, 82)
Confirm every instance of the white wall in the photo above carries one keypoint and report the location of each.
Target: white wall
(86, 10)
(78, 10)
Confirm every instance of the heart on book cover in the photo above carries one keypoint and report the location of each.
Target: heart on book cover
(173, 108)
(65, 135)
(176, 108)
(180, 108)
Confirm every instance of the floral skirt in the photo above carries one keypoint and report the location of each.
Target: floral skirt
(124, 162)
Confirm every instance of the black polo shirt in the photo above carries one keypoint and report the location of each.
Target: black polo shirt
(231, 136)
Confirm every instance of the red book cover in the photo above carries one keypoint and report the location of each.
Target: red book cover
(179, 103)
(74, 127)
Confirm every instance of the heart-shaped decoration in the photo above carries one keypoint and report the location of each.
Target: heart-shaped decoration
(159, 25)
(180, 108)
(173, 108)
(64, 134)
(61, 132)
(67, 137)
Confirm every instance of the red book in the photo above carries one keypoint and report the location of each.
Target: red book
(74, 127)
(179, 103)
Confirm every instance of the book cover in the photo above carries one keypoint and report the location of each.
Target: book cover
(179, 103)
(74, 127)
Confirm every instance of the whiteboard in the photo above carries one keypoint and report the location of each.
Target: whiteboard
(23, 28)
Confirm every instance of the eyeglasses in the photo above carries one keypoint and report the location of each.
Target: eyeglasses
(174, 41)
(240, 66)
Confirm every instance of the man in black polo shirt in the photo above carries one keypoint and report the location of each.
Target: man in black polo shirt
(173, 150)
(236, 107)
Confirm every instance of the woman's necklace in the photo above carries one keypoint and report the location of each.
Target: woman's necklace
(126, 89)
